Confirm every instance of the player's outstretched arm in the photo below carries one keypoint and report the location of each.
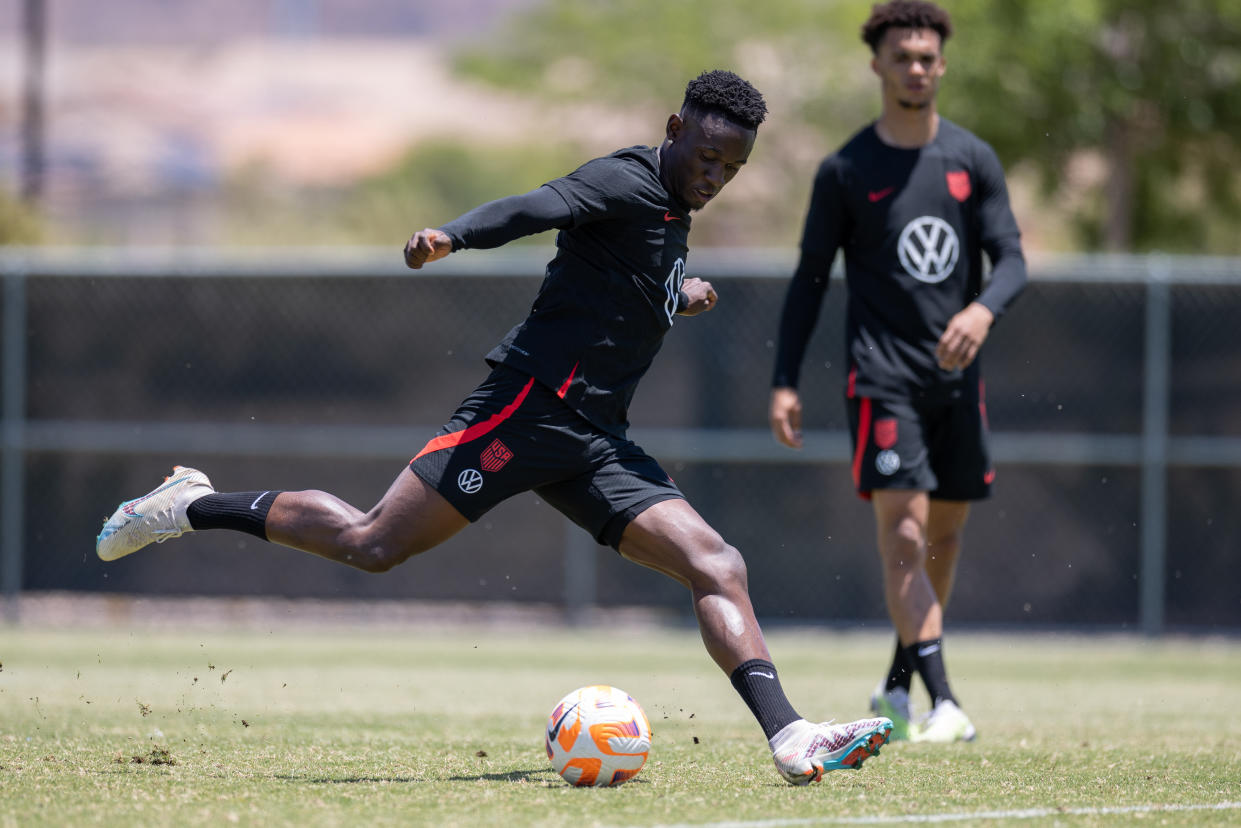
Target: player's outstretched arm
(491, 225)
(425, 246)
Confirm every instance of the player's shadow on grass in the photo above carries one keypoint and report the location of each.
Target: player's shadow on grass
(345, 780)
(543, 775)
(528, 775)
(531, 774)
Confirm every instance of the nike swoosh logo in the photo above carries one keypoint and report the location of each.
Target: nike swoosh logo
(255, 504)
(551, 734)
(923, 652)
(880, 195)
(669, 217)
(761, 673)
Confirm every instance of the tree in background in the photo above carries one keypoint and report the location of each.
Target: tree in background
(18, 223)
(803, 54)
(1127, 110)
(434, 182)
(1150, 89)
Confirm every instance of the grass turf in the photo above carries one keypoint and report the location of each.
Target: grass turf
(444, 727)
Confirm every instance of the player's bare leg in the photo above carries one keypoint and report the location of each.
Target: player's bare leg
(672, 538)
(945, 528)
(902, 520)
(410, 518)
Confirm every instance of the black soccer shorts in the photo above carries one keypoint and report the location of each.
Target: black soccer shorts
(513, 435)
(939, 448)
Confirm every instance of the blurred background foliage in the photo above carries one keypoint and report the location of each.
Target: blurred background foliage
(1124, 114)
(1117, 121)
(434, 182)
(18, 223)
(1148, 92)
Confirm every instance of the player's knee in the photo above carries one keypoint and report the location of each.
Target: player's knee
(903, 545)
(374, 559)
(718, 565)
(733, 569)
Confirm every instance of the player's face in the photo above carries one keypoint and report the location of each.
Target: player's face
(909, 63)
(701, 154)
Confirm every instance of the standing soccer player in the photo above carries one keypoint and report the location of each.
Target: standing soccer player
(914, 200)
(552, 415)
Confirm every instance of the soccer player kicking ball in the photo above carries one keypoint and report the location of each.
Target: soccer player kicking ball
(914, 200)
(552, 415)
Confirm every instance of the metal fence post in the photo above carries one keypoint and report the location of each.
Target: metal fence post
(12, 441)
(1155, 407)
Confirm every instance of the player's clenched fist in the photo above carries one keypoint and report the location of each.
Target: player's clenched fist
(426, 246)
(700, 294)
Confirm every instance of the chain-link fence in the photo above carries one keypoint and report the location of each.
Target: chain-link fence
(1111, 389)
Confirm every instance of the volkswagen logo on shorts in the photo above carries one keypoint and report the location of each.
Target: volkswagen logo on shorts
(887, 462)
(928, 249)
(470, 481)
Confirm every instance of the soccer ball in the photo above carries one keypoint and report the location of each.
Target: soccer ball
(598, 736)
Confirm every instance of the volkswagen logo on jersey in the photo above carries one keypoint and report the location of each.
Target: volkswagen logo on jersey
(470, 481)
(928, 249)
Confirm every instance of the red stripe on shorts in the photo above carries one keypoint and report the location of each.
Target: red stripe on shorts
(477, 430)
(982, 404)
(863, 435)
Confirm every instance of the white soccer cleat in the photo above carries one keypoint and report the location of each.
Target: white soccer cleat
(153, 518)
(945, 723)
(893, 704)
(804, 751)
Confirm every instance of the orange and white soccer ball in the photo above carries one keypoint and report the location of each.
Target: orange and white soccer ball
(598, 736)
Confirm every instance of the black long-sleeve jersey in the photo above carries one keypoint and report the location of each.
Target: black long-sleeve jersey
(913, 224)
(610, 293)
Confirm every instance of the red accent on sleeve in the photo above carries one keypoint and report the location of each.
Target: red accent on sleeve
(564, 389)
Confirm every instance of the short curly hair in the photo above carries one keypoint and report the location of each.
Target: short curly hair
(727, 94)
(905, 14)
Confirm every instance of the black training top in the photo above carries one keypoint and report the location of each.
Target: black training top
(913, 224)
(612, 289)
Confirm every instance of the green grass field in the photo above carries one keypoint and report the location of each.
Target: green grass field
(445, 727)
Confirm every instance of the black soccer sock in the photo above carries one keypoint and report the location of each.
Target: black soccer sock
(927, 658)
(901, 673)
(241, 511)
(759, 686)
